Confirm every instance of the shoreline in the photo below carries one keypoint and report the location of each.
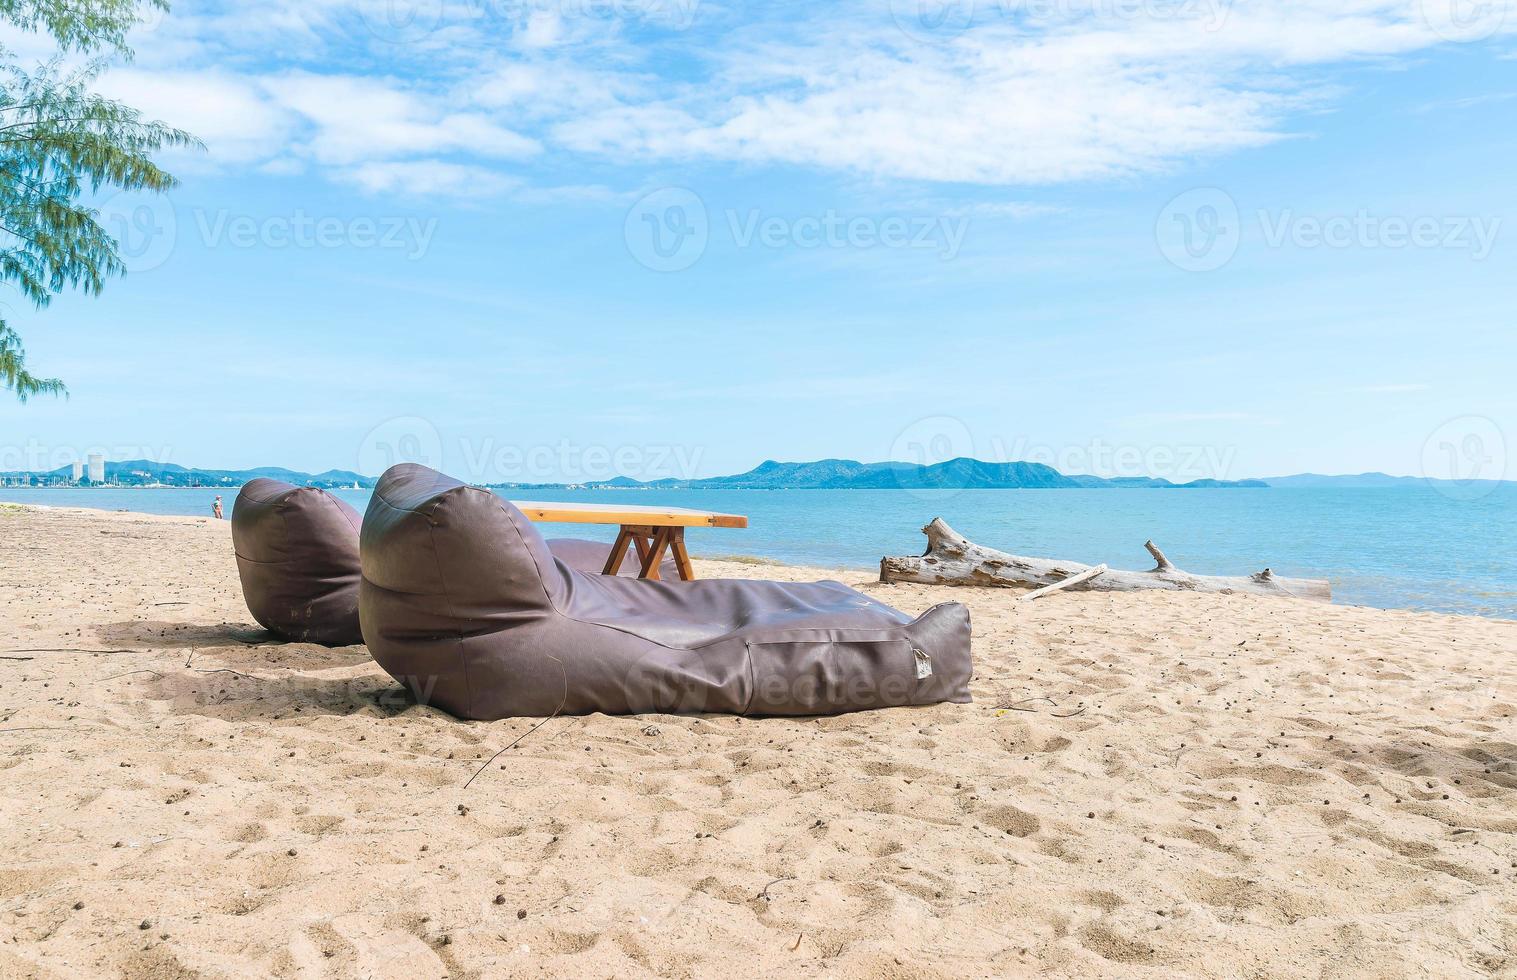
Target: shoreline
(1441, 563)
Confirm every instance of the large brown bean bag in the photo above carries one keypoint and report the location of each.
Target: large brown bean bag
(297, 555)
(462, 601)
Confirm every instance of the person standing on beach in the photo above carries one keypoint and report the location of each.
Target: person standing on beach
(216, 510)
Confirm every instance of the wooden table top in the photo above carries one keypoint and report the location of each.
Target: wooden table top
(625, 514)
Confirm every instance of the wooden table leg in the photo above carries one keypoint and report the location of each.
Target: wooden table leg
(682, 557)
(661, 539)
(618, 552)
(642, 537)
(656, 554)
(651, 543)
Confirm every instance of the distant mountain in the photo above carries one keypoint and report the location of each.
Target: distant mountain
(848, 474)
(1367, 481)
(955, 474)
(822, 474)
(1347, 480)
(144, 472)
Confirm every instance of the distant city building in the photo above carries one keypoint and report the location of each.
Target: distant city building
(78, 471)
(97, 468)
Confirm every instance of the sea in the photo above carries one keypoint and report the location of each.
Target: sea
(1416, 547)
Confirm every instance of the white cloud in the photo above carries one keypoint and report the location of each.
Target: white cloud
(1008, 103)
(551, 89)
(544, 29)
(430, 177)
(1026, 94)
(1011, 210)
(355, 119)
(232, 115)
(1468, 102)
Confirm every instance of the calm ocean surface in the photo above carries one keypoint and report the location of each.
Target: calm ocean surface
(1412, 548)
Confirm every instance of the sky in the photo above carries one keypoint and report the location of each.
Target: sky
(538, 241)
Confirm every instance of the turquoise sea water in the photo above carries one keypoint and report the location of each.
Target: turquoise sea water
(1415, 548)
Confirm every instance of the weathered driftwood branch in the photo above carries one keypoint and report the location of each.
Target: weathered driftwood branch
(1068, 583)
(952, 559)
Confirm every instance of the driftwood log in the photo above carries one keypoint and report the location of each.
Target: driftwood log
(952, 559)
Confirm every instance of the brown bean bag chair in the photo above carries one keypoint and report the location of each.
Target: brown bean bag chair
(297, 556)
(462, 601)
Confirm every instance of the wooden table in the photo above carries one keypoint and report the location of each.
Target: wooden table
(653, 530)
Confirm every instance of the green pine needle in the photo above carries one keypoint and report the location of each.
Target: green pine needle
(58, 139)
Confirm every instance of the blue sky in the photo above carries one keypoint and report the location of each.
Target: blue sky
(1180, 237)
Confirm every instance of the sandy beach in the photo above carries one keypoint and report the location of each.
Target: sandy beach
(1146, 784)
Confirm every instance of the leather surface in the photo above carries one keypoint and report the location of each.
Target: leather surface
(462, 601)
(297, 557)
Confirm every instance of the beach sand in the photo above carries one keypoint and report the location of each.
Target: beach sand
(1146, 784)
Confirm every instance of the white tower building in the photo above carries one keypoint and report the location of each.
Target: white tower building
(97, 468)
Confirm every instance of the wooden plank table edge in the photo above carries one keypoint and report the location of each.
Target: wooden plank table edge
(571, 513)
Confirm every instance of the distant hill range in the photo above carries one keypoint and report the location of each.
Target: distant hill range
(825, 474)
(1369, 481)
(146, 473)
(955, 474)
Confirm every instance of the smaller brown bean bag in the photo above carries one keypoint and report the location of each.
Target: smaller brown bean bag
(297, 555)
